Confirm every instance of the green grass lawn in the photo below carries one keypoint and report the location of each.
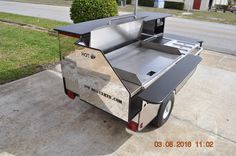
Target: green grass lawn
(227, 18)
(23, 51)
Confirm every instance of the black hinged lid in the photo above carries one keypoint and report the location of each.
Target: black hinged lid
(87, 27)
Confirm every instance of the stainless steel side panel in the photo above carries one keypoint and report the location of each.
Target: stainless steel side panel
(146, 115)
(96, 82)
(107, 37)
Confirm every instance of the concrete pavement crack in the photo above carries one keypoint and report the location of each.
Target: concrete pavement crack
(208, 131)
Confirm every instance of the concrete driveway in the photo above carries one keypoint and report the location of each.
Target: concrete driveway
(216, 36)
(36, 118)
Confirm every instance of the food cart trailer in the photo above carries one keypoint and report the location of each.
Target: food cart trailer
(127, 66)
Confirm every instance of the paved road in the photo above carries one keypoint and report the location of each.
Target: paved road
(59, 13)
(216, 37)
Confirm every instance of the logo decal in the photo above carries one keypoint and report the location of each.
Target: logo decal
(103, 94)
(87, 55)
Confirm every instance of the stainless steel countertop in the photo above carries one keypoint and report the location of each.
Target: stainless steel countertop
(141, 61)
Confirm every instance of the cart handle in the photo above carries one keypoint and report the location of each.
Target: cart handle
(118, 18)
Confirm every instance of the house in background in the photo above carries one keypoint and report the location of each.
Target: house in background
(182, 4)
(200, 4)
(203, 4)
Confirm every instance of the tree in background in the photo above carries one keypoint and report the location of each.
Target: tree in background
(85, 10)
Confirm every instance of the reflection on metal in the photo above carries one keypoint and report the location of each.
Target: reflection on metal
(96, 82)
(146, 114)
(132, 87)
(107, 37)
(66, 45)
(167, 110)
(160, 47)
(119, 18)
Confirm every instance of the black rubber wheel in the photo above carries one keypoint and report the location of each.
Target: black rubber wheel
(164, 111)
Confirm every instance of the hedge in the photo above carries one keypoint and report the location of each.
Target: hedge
(174, 5)
(85, 10)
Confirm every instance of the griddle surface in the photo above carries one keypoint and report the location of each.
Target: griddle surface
(145, 63)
